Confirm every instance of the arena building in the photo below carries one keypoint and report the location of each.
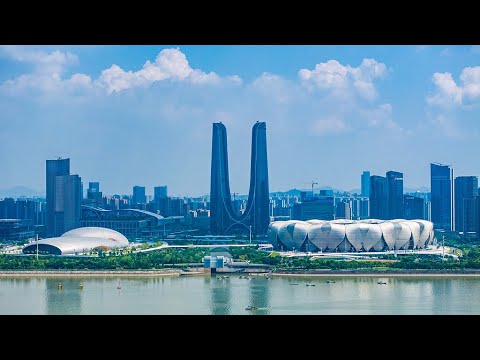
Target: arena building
(79, 241)
(350, 235)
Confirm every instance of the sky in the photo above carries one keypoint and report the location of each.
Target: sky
(142, 115)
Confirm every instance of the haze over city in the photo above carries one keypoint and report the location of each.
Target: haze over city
(142, 115)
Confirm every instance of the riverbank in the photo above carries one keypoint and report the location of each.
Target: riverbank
(202, 272)
(395, 273)
(96, 273)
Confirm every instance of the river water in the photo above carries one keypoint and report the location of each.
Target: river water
(232, 295)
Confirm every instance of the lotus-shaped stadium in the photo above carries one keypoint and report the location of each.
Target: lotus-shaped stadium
(350, 235)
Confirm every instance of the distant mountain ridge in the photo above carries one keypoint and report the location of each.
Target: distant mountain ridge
(20, 191)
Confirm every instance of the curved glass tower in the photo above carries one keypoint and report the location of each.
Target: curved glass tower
(223, 218)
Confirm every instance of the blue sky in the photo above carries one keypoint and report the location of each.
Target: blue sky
(142, 115)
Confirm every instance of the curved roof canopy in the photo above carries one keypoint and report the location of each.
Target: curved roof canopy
(78, 241)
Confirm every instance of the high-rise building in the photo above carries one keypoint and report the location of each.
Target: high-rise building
(159, 196)
(366, 184)
(138, 196)
(443, 200)
(319, 208)
(414, 207)
(395, 194)
(428, 210)
(68, 203)
(364, 208)
(343, 211)
(477, 214)
(466, 188)
(55, 168)
(378, 197)
(94, 195)
(223, 218)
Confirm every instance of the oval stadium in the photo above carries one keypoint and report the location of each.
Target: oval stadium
(350, 235)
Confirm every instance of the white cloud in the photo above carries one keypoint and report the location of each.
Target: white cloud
(43, 62)
(170, 64)
(447, 91)
(329, 126)
(274, 87)
(332, 75)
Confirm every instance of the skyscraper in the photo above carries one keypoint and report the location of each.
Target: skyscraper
(466, 188)
(395, 195)
(477, 214)
(378, 197)
(443, 200)
(68, 203)
(223, 218)
(366, 184)
(94, 195)
(414, 207)
(138, 195)
(160, 199)
(54, 168)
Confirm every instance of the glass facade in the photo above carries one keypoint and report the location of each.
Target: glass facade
(466, 188)
(366, 183)
(139, 195)
(443, 201)
(395, 195)
(223, 218)
(55, 168)
(414, 207)
(378, 197)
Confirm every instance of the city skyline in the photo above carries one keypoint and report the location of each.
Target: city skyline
(142, 115)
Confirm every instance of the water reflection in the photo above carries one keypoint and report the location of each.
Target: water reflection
(259, 295)
(220, 296)
(66, 299)
(223, 296)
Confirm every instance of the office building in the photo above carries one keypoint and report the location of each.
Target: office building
(159, 199)
(138, 196)
(54, 168)
(68, 203)
(414, 207)
(442, 195)
(466, 188)
(378, 197)
(477, 214)
(322, 208)
(343, 211)
(94, 195)
(13, 230)
(428, 210)
(366, 184)
(395, 194)
(223, 219)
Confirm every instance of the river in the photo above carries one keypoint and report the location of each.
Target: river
(232, 295)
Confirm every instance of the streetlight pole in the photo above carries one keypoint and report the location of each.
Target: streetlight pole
(443, 247)
(37, 246)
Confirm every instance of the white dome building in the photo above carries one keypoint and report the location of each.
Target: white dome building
(79, 241)
(350, 235)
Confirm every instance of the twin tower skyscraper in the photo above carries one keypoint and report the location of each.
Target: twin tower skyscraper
(223, 218)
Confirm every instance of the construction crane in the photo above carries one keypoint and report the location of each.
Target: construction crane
(313, 183)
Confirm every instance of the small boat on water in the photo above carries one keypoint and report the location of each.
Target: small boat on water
(330, 282)
(310, 284)
(250, 308)
(381, 282)
(293, 284)
(118, 286)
